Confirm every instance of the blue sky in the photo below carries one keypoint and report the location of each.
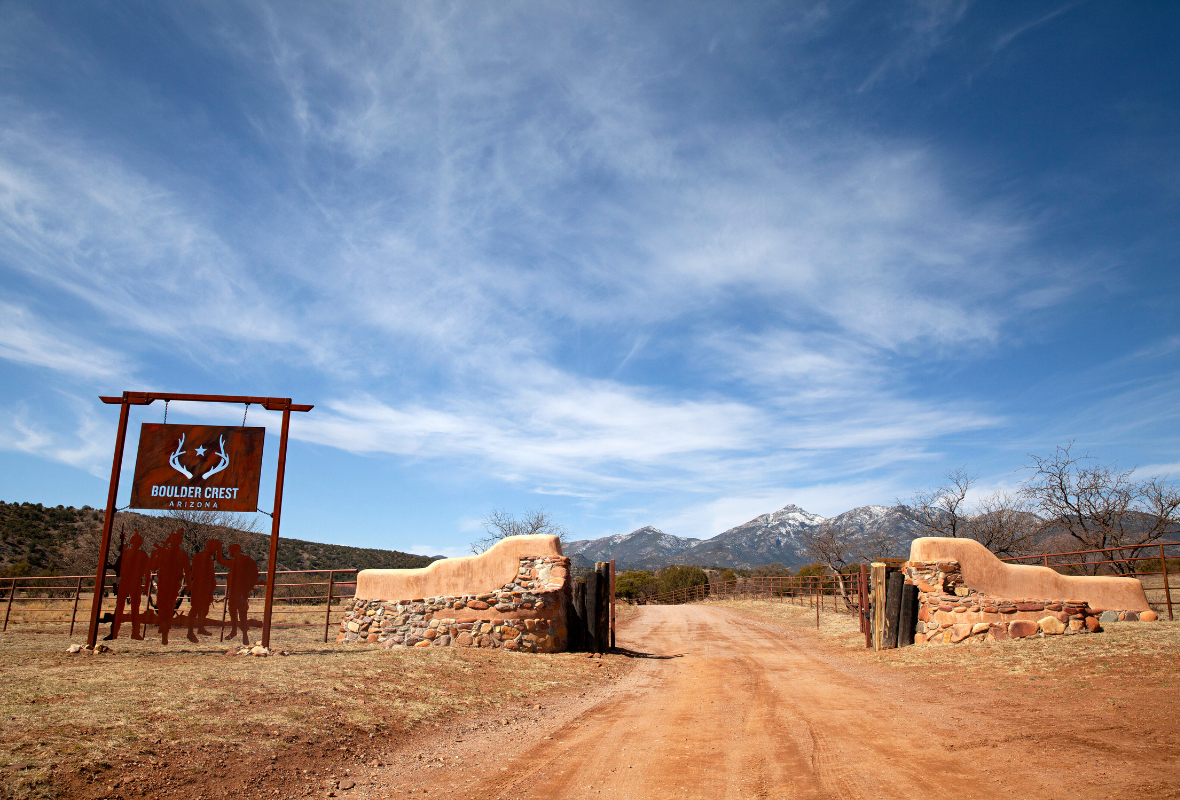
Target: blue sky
(674, 264)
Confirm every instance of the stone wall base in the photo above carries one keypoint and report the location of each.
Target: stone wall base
(526, 614)
(950, 612)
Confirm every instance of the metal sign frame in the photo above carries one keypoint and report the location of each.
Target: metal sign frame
(125, 402)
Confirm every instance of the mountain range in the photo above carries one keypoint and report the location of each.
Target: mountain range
(766, 539)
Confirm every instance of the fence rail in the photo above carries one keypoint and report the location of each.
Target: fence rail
(1146, 562)
(48, 600)
(814, 591)
(1155, 565)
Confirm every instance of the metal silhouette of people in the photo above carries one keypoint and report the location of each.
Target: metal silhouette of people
(172, 568)
(239, 583)
(202, 584)
(134, 578)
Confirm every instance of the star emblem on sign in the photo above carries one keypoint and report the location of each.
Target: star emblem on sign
(200, 451)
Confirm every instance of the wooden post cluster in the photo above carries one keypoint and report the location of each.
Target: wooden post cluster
(894, 609)
(590, 625)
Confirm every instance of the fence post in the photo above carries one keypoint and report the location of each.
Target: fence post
(74, 616)
(328, 615)
(11, 593)
(1167, 589)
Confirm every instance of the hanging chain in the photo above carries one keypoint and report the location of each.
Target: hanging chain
(165, 412)
(244, 413)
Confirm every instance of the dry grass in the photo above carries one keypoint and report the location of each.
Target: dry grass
(1149, 646)
(78, 712)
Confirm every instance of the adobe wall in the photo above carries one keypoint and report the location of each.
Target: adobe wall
(514, 596)
(983, 571)
(974, 600)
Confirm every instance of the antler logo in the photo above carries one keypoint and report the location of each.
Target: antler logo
(174, 459)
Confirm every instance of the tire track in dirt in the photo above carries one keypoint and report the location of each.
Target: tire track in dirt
(719, 707)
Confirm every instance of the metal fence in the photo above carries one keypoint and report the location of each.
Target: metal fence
(1156, 566)
(1147, 562)
(51, 600)
(813, 591)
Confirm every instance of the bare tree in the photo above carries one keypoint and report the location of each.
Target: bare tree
(1004, 522)
(201, 525)
(832, 545)
(500, 525)
(941, 511)
(838, 547)
(1100, 506)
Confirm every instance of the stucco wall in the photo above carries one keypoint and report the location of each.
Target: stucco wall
(984, 572)
(456, 576)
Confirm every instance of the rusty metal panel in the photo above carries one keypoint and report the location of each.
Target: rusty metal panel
(197, 467)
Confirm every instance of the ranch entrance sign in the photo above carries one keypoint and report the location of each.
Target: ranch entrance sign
(189, 467)
(197, 467)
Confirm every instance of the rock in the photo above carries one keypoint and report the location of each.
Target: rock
(1148, 616)
(478, 605)
(346, 785)
(1109, 616)
(464, 639)
(429, 633)
(1029, 607)
(962, 591)
(960, 632)
(1130, 616)
(423, 643)
(372, 637)
(1092, 625)
(1051, 625)
(980, 627)
(511, 644)
(443, 641)
(1076, 624)
(998, 633)
(1020, 628)
(353, 626)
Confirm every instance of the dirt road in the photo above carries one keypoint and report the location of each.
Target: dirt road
(724, 707)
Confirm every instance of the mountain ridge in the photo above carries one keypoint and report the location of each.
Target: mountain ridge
(769, 538)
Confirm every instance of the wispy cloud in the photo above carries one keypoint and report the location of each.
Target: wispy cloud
(28, 340)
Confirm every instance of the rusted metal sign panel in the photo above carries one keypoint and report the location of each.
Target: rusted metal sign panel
(197, 467)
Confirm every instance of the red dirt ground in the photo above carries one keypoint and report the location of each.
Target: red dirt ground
(726, 703)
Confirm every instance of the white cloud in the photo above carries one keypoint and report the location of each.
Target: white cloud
(86, 447)
(28, 340)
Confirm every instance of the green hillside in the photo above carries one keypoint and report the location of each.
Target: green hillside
(43, 540)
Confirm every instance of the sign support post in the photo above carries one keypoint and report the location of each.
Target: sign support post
(108, 523)
(125, 402)
(274, 527)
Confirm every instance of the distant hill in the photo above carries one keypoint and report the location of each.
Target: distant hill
(766, 539)
(641, 549)
(39, 540)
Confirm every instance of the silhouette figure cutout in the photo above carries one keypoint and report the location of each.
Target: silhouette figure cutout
(201, 586)
(172, 568)
(239, 583)
(134, 576)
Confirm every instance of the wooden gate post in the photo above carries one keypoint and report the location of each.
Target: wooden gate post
(1167, 589)
(612, 603)
(878, 590)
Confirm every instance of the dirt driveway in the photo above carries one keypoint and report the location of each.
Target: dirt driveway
(726, 706)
